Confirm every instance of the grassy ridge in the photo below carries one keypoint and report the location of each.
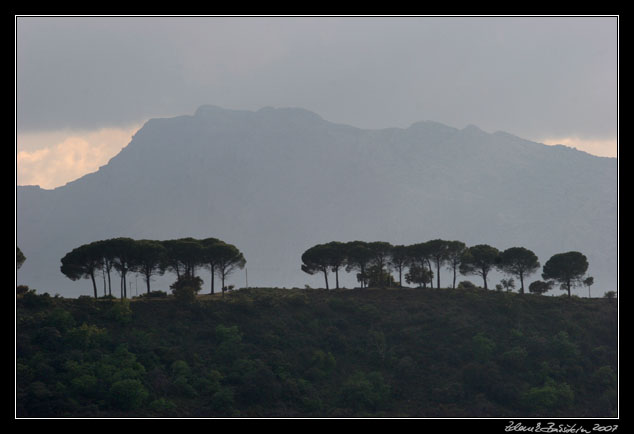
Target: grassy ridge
(317, 353)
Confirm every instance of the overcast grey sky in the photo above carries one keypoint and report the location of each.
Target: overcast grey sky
(541, 78)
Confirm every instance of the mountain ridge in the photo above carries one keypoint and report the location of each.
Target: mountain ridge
(210, 108)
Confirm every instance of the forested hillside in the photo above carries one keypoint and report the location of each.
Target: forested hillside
(315, 353)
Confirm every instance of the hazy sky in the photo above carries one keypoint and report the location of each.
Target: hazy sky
(84, 85)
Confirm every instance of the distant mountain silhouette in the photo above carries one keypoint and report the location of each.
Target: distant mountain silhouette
(277, 181)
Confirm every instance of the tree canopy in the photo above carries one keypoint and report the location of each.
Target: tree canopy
(520, 262)
(479, 260)
(19, 257)
(316, 259)
(566, 268)
(229, 259)
(82, 262)
(149, 259)
(359, 256)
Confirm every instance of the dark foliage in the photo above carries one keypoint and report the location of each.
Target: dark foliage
(315, 353)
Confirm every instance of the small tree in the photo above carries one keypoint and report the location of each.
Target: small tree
(211, 256)
(566, 268)
(123, 259)
(465, 284)
(189, 252)
(419, 274)
(336, 253)
(455, 250)
(19, 257)
(399, 260)
(479, 260)
(316, 260)
(358, 256)
(229, 259)
(419, 262)
(382, 251)
(186, 287)
(82, 262)
(438, 254)
(183, 256)
(148, 260)
(520, 262)
(588, 281)
(105, 248)
(378, 278)
(507, 284)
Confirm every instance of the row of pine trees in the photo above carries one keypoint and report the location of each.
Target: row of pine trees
(373, 262)
(149, 258)
(418, 263)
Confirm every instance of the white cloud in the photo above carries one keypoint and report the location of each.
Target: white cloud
(72, 154)
(599, 147)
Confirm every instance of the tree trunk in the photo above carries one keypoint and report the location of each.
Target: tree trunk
(438, 274)
(326, 277)
(94, 284)
(521, 283)
(362, 276)
(337, 278)
(212, 278)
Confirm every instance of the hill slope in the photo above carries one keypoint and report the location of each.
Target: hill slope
(277, 181)
(299, 353)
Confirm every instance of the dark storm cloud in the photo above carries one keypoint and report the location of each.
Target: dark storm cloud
(531, 76)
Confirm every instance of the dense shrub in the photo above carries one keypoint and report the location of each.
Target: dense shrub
(154, 294)
(465, 284)
(550, 396)
(365, 391)
(120, 312)
(86, 336)
(229, 342)
(32, 300)
(186, 288)
(127, 394)
(482, 347)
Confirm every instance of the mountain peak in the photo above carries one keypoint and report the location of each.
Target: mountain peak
(473, 129)
(268, 112)
(290, 112)
(214, 110)
(430, 124)
(207, 108)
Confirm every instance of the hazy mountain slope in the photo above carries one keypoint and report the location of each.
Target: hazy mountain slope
(276, 181)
